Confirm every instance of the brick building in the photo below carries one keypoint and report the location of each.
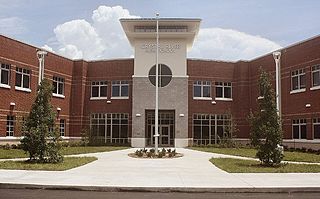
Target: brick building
(197, 98)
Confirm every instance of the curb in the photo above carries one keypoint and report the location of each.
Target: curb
(163, 189)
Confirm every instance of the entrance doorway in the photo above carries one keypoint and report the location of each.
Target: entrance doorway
(166, 128)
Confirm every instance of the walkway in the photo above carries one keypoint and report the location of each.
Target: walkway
(116, 169)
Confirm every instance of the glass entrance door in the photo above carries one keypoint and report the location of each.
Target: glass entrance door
(164, 135)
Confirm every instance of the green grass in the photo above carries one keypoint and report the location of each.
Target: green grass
(68, 163)
(246, 152)
(18, 153)
(232, 165)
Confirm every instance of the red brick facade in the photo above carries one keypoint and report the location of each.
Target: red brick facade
(76, 107)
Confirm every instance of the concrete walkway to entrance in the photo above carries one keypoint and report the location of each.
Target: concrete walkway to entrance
(193, 170)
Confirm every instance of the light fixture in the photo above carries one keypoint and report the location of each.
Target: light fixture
(213, 102)
(138, 115)
(181, 115)
(12, 104)
(58, 109)
(308, 105)
(108, 102)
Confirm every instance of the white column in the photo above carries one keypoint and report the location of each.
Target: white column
(40, 55)
(156, 118)
(276, 56)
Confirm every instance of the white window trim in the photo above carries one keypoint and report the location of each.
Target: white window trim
(98, 98)
(22, 89)
(223, 99)
(58, 95)
(315, 88)
(202, 98)
(299, 81)
(298, 90)
(313, 124)
(124, 97)
(5, 86)
(314, 71)
(299, 125)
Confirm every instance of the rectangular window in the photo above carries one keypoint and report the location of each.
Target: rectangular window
(202, 89)
(62, 127)
(22, 78)
(316, 128)
(10, 125)
(223, 90)
(99, 89)
(298, 79)
(209, 128)
(5, 74)
(120, 89)
(110, 127)
(58, 86)
(299, 129)
(316, 76)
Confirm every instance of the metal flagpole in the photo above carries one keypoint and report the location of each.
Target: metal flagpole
(156, 118)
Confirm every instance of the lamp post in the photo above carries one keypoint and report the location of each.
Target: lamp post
(276, 56)
(156, 118)
(40, 55)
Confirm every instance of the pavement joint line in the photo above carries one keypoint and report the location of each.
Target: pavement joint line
(163, 189)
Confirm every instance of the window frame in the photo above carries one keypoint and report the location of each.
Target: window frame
(5, 67)
(315, 69)
(202, 84)
(58, 80)
(62, 127)
(24, 72)
(10, 125)
(297, 122)
(99, 84)
(315, 121)
(120, 84)
(223, 85)
(298, 73)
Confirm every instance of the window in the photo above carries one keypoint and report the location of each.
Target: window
(210, 128)
(316, 76)
(99, 90)
(316, 128)
(22, 79)
(223, 90)
(58, 86)
(10, 125)
(5, 75)
(62, 127)
(202, 89)
(164, 72)
(299, 129)
(298, 80)
(120, 89)
(110, 127)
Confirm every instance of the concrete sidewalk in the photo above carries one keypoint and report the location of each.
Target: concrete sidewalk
(116, 169)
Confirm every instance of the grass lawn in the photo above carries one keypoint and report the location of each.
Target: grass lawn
(18, 153)
(245, 152)
(68, 163)
(232, 165)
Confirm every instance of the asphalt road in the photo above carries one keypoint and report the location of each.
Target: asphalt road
(63, 194)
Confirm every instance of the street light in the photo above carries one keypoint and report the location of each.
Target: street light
(40, 55)
(276, 56)
(156, 118)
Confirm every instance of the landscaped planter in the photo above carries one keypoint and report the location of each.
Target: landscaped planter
(164, 153)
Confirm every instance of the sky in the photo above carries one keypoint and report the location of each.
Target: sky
(230, 29)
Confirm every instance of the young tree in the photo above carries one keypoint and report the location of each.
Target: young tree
(41, 137)
(266, 134)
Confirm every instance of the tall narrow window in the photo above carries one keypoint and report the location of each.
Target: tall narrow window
(298, 80)
(201, 89)
(62, 127)
(22, 78)
(120, 89)
(299, 129)
(316, 76)
(316, 128)
(5, 75)
(58, 86)
(223, 90)
(10, 125)
(99, 90)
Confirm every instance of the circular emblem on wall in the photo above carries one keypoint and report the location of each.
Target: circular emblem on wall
(165, 75)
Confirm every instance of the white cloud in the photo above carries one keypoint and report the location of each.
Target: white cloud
(231, 45)
(12, 26)
(104, 38)
(47, 48)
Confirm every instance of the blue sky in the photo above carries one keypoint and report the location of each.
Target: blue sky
(280, 23)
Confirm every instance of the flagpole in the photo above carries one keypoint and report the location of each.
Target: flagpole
(156, 136)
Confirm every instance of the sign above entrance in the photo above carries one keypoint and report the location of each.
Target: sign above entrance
(163, 48)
